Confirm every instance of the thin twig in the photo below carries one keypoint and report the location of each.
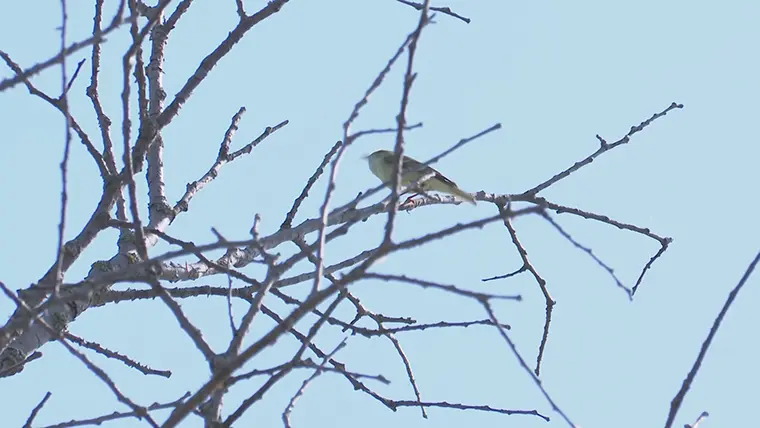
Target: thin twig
(541, 284)
(230, 314)
(444, 10)
(445, 287)
(72, 48)
(699, 420)
(398, 149)
(58, 104)
(319, 370)
(117, 356)
(64, 100)
(507, 275)
(590, 252)
(36, 410)
(520, 359)
(74, 76)
(355, 136)
(309, 184)
(104, 122)
(458, 406)
(117, 415)
(223, 158)
(604, 147)
(675, 404)
(647, 266)
(303, 364)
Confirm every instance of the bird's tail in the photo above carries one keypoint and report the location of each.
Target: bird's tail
(464, 195)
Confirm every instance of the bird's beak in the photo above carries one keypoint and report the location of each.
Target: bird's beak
(366, 156)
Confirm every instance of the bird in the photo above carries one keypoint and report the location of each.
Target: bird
(381, 164)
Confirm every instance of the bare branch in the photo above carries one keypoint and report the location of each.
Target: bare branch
(675, 404)
(309, 184)
(320, 369)
(74, 47)
(74, 76)
(527, 265)
(507, 275)
(117, 356)
(104, 122)
(520, 359)
(398, 149)
(588, 251)
(651, 261)
(315, 299)
(699, 420)
(61, 106)
(304, 364)
(209, 62)
(605, 147)
(223, 158)
(307, 341)
(447, 405)
(448, 288)
(63, 99)
(444, 10)
(118, 415)
(36, 410)
(240, 9)
(182, 7)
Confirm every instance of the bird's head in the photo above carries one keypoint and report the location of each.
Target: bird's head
(377, 163)
(377, 155)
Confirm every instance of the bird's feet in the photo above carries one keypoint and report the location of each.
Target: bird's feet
(409, 200)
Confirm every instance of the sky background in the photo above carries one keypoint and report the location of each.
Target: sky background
(554, 74)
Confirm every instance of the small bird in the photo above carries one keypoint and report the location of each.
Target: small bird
(381, 164)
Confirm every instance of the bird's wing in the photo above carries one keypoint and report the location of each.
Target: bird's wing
(410, 164)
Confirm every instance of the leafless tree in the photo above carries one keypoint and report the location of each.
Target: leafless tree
(45, 310)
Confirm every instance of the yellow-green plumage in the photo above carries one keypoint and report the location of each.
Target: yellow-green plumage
(381, 164)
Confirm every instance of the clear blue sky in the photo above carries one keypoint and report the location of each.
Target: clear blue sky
(554, 74)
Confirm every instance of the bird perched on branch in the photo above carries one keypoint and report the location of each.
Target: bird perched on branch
(381, 164)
